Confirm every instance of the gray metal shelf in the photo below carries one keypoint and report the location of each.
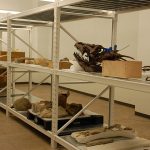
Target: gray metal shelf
(45, 14)
(79, 9)
(114, 5)
(63, 11)
(133, 84)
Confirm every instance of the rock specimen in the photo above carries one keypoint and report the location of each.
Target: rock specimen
(90, 56)
(22, 104)
(40, 106)
(47, 113)
(103, 133)
(73, 108)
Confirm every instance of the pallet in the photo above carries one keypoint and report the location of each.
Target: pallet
(83, 122)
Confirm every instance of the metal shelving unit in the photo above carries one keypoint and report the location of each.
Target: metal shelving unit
(52, 15)
(4, 28)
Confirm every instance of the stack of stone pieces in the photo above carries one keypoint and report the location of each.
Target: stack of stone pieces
(44, 108)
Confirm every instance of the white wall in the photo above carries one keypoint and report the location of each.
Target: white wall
(44, 41)
(143, 38)
(88, 31)
(143, 53)
(16, 5)
(128, 33)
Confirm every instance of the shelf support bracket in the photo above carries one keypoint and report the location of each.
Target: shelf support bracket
(0, 38)
(3, 89)
(35, 86)
(3, 42)
(55, 78)
(68, 33)
(18, 37)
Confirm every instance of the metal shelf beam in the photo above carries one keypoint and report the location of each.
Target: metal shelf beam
(32, 67)
(132, 84)
(32, 124)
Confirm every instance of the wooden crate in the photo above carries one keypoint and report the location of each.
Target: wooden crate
(122, 69)
(14, 55)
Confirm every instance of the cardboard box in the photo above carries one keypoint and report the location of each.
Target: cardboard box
(14, 55)
(62, 64)
(122, 69)
(41, 61)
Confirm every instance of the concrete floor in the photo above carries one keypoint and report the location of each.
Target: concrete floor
(16, 135)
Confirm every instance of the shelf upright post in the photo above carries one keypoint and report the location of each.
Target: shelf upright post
(13, 40)
(52, 41)
(13, 69)
(55, 78)
(8, 67)
(1, 34)
(111, 106)
(30, 73)
(112, 91)
(52, 53)
(114, 31)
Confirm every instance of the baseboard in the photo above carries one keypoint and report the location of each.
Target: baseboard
(32, 83)
(22, 82)
(142, 115)
(125, 104)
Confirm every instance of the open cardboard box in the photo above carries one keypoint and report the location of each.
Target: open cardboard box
(122, 69)
(14, 55)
